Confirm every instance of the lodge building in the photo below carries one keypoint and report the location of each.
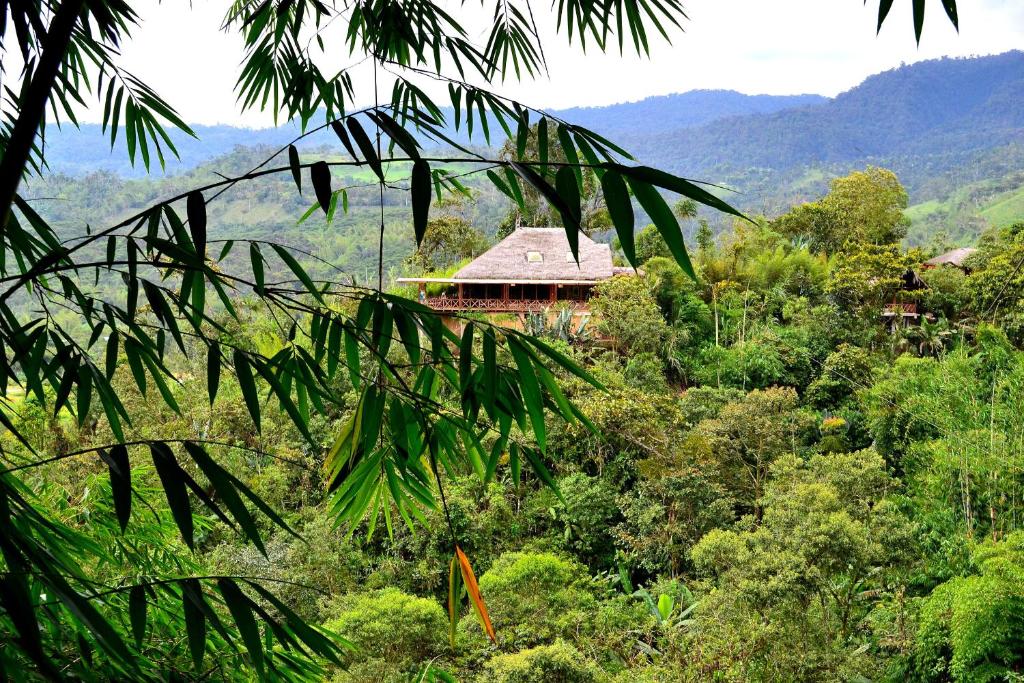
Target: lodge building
(528, 271)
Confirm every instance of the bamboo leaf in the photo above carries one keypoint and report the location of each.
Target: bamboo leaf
(296, 166)
(320, 176)
(473, 589)
(365, 146)
(663, 218)
(339, 130)
(247, 383)
(213, 361)
(226, 492)
(172, 478)
(196, 209)
(420, 192)
(241, 612)
(137, 613)
(620, 208)
(455, 588)
(120, 482)
(194, 607)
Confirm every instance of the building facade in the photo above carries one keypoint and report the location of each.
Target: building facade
(528, 271)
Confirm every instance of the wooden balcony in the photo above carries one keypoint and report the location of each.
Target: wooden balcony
(442, 303)
(908, 310)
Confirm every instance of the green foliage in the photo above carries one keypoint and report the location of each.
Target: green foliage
(557, 662)
(793, 589)
(587, 516)
(537, 597)
(971, 627)
(448, 240)
(629, 315)
(844, 372)
(395, 628)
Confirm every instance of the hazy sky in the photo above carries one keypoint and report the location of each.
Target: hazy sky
(753, 46)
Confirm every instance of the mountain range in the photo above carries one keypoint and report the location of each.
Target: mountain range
(952, 129)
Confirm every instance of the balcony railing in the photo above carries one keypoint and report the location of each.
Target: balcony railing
(900, 308)
(441, 303)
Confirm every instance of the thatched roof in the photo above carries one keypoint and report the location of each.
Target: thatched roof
(540, 254)
(951, 258)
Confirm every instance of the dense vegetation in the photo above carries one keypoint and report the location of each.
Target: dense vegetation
(780, 487)
(221, 466)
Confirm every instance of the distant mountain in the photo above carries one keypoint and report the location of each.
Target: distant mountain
(672, 112)
(945, 118)
(952, 129)
(76, 152)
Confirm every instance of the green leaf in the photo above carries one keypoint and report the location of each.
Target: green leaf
(120, 482)
(365, 146)
(134, 354)
(542, 143)
(194, 606)
(918, 19)
(213, 361)
(883, 11)
(542, 471)
(256, 258)
(663, 218)
(531, 390)
(420, 191)
(196, 209)
(466, 357)
(247, 383)
(339, 130)
(950, 7)
(620, 208)
(298, 270)
(172, 478)
(672, 183)
(241, 612)
(552, 196)
(137, 613)
(455, 590)
(565, 141)
(565, 183)
(320, 176)
(224, 486)
(296, 166)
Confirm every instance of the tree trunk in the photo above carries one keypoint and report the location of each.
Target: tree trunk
(33, 104)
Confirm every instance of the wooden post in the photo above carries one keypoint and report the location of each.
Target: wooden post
(460, 292)
(554, 292)
(504, 292)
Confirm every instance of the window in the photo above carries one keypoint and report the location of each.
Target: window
(534, 257)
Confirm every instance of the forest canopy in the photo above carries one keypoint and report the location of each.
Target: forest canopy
(219, 465)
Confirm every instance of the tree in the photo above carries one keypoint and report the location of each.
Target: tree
(863, 207)
(447, 241)
(529, 208)
(627, 312)
(745, 438)
(790, 597)
(558, 662)
(971, 627)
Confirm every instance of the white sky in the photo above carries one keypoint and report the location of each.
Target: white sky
(753, 46)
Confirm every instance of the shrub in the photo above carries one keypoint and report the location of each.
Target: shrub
(399, 629)
(535, 598)
(557, 663)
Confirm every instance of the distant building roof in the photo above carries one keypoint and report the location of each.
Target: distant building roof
(951, 258)
(540, 254)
